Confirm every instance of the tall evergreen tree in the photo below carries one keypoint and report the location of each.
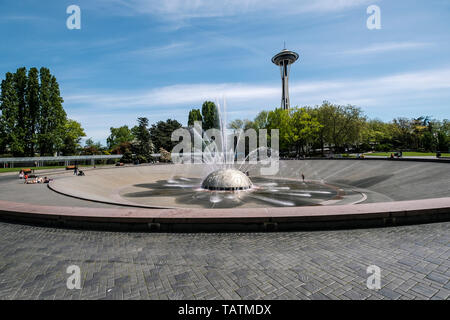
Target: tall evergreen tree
(44, 131)
(32, 111)
(33, 118)
(57, 118)
(20, 130)
(145, 145)
(194, 115)
(9, 116)
(210, 115)
(161, 133)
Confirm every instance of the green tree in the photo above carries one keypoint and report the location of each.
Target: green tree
(377, 135)
(58, 117)
(92, 148)
(210, 116)
(32, 111)
(194, 115)
(127, 155)
(52, 117)
(341, 125)
(161, 133)
(144, 145)
(236, 124)
(242, 124)
(302, 129)
(44, 129)
(279, 119)
(72, 133)
(298, 128)
(403, 133)
(260, 121)
(21, 80)
(165, 155)
(34, 118)
(9, 135)
(121, 148)
(118, 136)
(443, 135)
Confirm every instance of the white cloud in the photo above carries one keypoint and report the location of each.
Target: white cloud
(173, 47)
(184, 9)
(21, 18)
(384, 47)
(187, 94)
(102, 110)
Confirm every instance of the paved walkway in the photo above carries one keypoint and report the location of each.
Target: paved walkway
(414, 262)
(408, 157)
(14, 189)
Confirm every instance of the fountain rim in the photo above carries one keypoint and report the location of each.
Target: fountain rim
(380, 214)
(365, 215)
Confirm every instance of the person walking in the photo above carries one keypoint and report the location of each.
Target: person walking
(303, 177)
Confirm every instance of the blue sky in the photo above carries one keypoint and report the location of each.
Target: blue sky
(159, 59)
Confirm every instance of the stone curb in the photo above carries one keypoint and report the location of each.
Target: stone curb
(212, 220)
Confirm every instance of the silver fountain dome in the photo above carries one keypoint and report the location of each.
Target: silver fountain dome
(227, 180)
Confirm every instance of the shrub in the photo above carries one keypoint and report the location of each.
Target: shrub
(165, 155)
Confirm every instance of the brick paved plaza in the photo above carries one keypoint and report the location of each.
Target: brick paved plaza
(414, 262)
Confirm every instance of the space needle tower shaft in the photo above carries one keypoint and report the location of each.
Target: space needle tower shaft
(284, 59)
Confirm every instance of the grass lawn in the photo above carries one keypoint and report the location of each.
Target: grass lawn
(408, 154)
(17, 169)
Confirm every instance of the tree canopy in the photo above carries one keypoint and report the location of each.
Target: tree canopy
(73, 132)
(118, 136)
(210, 115)
(194, 115)
(341, 128)
(144, 145)
(32, 116)
(161, 132)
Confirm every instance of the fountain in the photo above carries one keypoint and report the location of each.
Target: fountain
(219, 177)
(216, 171)
(218, 174)
(226, 180)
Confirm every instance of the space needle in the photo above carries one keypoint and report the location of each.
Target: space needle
(284, 59)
